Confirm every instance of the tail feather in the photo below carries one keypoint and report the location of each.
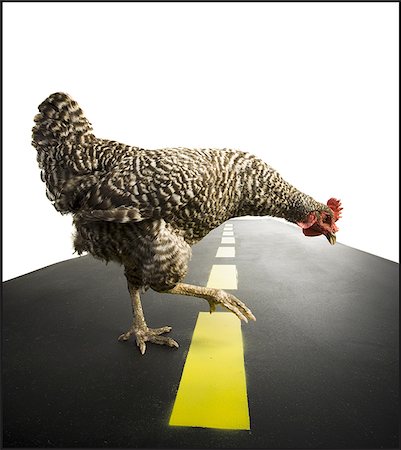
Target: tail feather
(60, 117)
(58, 134)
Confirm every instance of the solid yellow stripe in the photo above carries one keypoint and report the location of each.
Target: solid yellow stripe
(225, 252)
(212, 392)
(223, 276)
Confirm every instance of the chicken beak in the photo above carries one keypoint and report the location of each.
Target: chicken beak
(331, 237)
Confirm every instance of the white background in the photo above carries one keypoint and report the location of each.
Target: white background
(312, 88)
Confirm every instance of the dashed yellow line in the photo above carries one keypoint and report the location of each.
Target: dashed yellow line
(225, 252)
(228, 240)
(223, 276)
(212, 390)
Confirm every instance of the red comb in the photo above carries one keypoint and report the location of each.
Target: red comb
(335, 206)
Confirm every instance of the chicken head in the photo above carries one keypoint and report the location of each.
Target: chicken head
(323, 222)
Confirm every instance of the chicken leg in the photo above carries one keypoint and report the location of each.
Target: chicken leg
(215, 297)
(140, 329)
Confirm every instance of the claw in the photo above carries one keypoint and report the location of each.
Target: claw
(212, 306)
(142, 347)
(172, 343)
(124, 336)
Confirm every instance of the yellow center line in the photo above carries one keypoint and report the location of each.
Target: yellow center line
(225, 252)
(223, 276)
(212, 391)
(228, 240)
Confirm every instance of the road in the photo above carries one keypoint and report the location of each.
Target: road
(321, 360)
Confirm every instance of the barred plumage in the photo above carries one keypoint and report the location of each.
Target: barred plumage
(145, 208)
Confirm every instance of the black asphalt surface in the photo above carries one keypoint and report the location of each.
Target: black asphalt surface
(321, 360)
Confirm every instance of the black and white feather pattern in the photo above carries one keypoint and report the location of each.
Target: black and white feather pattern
(145, 208)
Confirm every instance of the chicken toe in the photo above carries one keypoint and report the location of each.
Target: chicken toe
(144, 334)
(231, 303)
(215, 297)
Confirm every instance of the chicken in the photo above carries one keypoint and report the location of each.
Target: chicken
(144, 209)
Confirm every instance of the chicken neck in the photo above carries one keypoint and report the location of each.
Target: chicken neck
(266, 193)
